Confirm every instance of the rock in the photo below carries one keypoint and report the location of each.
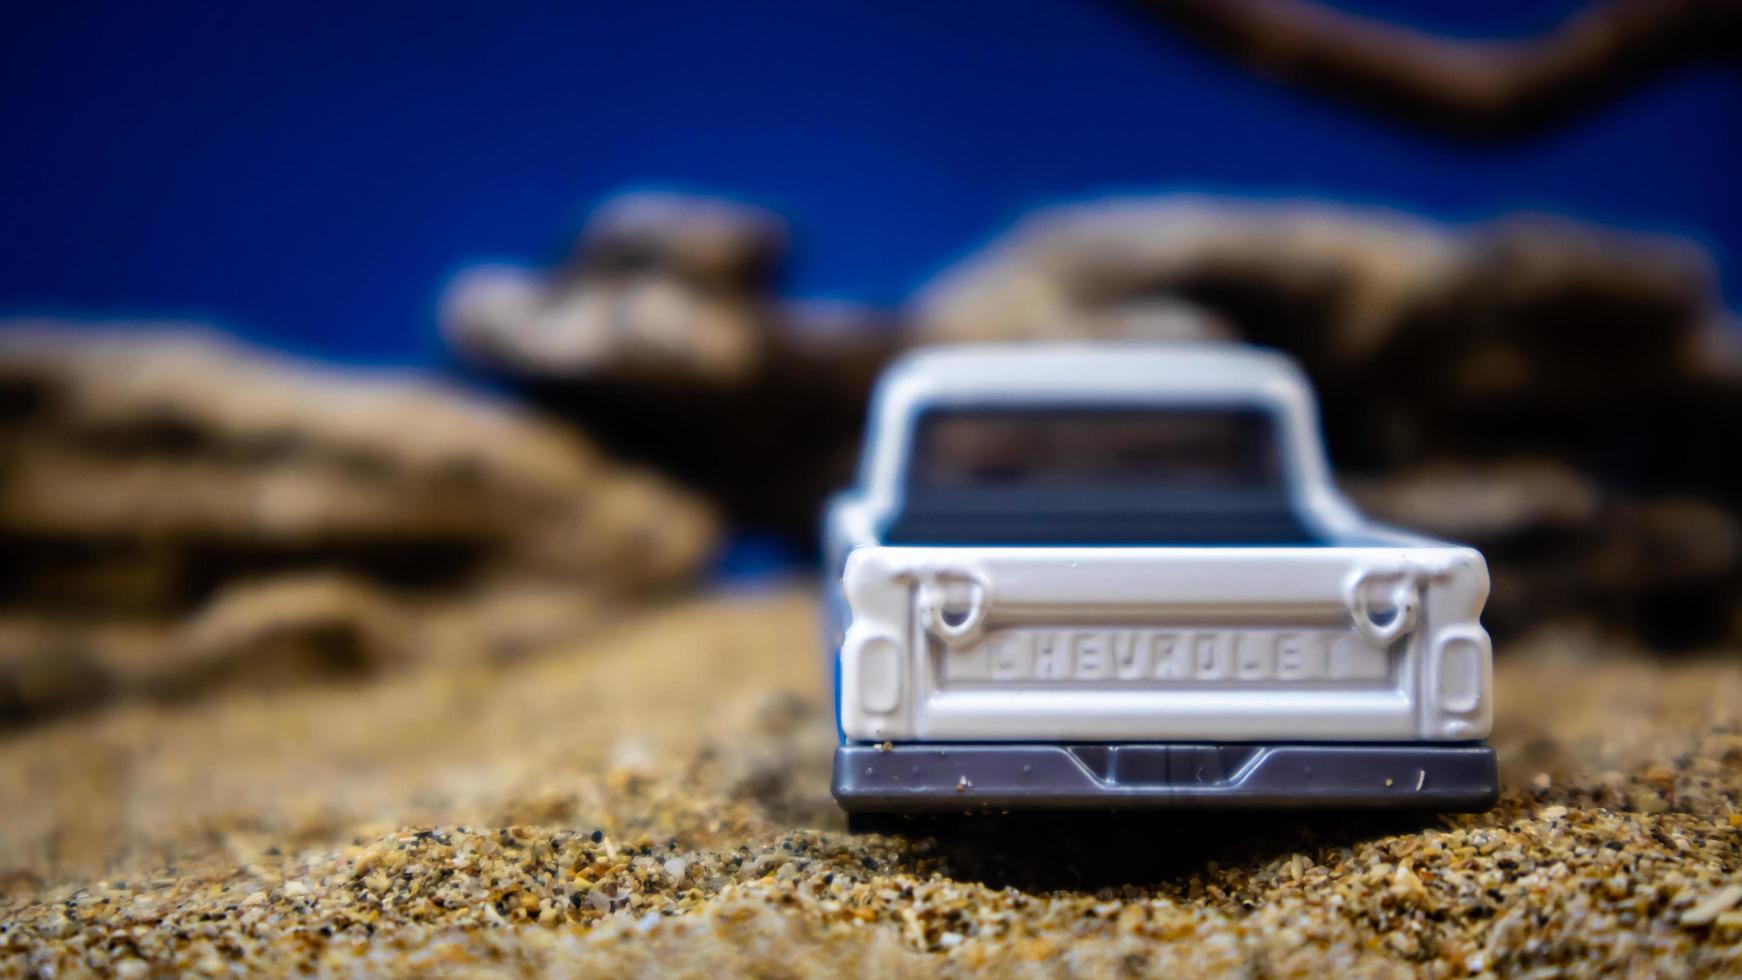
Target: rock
(179, 512)
(659, 288)
(1332, 284)
(1415, 333)
(258, 634)
(46, 666)
(700, 239)
(1555, 541)
(662, 336)
(1276, 274)
(1713, 905)
(281, 630)
(1480, 502)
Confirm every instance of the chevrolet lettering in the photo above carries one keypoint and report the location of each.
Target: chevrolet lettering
(1166, 657)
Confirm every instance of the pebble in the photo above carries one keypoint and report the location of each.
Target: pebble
(1708, 909)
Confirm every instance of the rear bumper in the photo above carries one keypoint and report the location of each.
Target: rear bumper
(935, 776)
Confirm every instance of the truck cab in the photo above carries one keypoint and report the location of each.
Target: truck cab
(1121, 576)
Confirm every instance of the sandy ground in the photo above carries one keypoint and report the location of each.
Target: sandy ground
(656, 799)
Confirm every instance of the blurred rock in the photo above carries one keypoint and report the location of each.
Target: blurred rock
(280, 630)
(662, 336)
(1287, 272)
(660, 288)
(47, 666)
(1343, 288)
(1488, 502)
(180, 512)
(1504, 335)
(1556, 543)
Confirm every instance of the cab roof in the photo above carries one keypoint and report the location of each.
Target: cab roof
(1089, 373)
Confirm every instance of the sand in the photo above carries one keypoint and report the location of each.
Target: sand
(655, 799)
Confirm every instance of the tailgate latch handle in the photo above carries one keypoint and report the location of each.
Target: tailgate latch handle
(1403, 601)
(952, 603)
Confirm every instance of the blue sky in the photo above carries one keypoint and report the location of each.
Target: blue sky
(309, 175)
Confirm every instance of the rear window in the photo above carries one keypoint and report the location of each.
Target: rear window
(1202, 475)
(1183, 449)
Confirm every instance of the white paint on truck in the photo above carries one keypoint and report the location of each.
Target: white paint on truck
(1367, 635)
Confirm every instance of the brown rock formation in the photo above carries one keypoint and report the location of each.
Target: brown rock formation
(177, 511)
(662, 336)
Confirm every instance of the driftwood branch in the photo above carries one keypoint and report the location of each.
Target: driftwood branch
(1477, 88)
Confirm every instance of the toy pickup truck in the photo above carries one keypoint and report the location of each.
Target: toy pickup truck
(1118, 577)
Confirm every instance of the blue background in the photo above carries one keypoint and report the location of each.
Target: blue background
(310, 174)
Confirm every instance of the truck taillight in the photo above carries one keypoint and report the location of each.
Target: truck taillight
(878, 672)
(1459, 671)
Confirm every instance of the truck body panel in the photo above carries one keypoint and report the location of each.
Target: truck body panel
(1072, 644)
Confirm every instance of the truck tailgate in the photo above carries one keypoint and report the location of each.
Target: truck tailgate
(1225, 644)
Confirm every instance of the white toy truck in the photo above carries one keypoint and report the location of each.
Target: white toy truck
(1118, 577)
